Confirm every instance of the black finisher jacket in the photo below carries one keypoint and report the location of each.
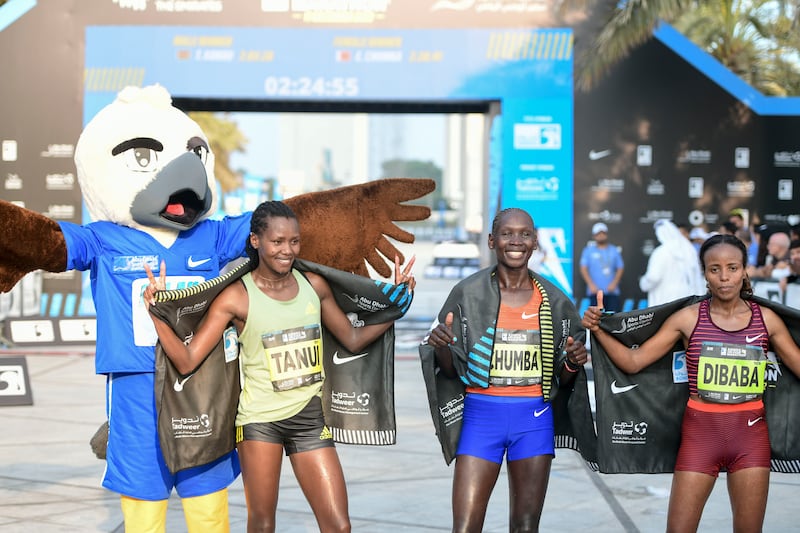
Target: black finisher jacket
(197, 412)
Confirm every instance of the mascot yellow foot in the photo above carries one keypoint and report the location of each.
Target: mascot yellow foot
(204, 514)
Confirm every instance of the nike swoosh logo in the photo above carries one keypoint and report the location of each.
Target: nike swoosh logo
(539, 412)
(180, 382)
(748, 339)
(353, 299)
(342, 360)
(753, 422)
(192, 263)
(623, 327)
(526, 316)
(594, 155)
(619, 390)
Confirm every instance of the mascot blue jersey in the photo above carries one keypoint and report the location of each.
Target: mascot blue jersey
(115, 256)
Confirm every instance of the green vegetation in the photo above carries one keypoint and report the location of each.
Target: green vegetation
(759, 40)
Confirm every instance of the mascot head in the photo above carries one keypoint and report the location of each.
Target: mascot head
(145, 164)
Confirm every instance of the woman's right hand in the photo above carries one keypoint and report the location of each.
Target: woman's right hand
(593, 314)
(442, 334)
(405, 275)
(155, 285)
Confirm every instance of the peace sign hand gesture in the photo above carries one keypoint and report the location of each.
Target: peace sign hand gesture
(155, 285)
(406, 275)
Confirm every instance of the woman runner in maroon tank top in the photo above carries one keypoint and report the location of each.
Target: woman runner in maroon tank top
(726, 338)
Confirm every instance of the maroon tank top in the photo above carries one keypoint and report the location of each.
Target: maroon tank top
(707, 338)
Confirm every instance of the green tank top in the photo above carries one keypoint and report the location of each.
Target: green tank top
(281, 354)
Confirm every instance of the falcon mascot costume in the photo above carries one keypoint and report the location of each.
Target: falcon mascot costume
(147, 178)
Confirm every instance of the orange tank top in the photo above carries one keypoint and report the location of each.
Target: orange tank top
(516, 364)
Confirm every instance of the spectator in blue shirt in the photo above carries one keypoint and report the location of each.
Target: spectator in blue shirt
(601, 268)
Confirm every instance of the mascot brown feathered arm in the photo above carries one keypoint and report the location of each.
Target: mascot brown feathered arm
(28, 241)
(346, 226)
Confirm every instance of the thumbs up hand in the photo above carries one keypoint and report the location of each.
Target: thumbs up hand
(442, 334)
(593, 314)
(576, 352)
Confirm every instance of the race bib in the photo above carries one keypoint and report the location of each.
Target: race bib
(517, 358)
(294, 357)
(730, 373)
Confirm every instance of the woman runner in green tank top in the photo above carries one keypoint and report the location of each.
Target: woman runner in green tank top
(278, 313)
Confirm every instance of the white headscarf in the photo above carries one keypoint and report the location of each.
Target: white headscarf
(673, 270)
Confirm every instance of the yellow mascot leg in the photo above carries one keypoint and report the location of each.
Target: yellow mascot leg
(207, 514)
(144, 516)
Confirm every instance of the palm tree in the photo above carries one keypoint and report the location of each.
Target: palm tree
(748, 37)
(783, 69)
(623, 26)
(225, 138)
(756, 39)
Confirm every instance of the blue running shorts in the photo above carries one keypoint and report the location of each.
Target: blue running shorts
(498, 425)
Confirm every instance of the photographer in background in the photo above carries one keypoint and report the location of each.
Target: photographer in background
(776, 262)
(792, 298)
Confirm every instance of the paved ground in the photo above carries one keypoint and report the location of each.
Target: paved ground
(50, 481)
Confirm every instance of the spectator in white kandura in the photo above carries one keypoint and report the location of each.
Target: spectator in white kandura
(673, 270)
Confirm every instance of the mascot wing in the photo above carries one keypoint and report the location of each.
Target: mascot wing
(347, 226)
(28, 241)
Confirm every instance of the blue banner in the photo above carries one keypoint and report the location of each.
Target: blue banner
(537, 176)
